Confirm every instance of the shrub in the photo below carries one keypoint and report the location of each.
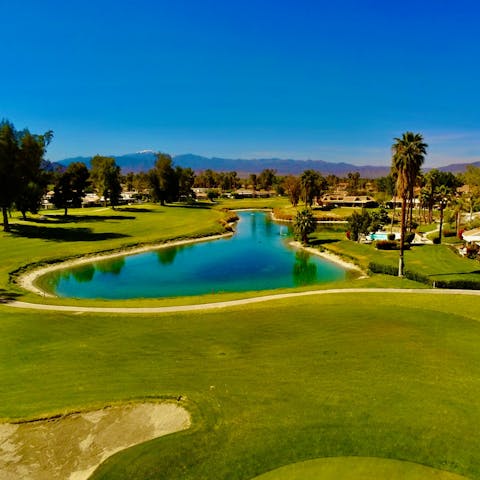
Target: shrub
(375, 267)
(458, 284)
(436, 240)
(409, 237)
(472, 250)
(391, 236)
(449, 233)
(386, 245)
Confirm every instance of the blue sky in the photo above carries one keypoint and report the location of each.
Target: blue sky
(335, 81)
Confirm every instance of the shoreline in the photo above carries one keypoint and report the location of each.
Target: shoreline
(329, 256)
(27, 279)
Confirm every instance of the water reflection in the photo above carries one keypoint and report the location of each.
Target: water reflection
(81, 274)
(304, 269)
(166, 256)
(113, 266)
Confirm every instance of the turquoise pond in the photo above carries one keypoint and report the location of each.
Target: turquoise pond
(257, 257)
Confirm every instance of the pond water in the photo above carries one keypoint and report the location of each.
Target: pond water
(257, 257)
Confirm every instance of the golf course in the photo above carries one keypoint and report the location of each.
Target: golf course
(371, 377)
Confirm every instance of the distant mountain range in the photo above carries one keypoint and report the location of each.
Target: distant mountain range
(143, 161)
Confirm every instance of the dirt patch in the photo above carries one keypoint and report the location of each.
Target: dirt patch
(71, 447)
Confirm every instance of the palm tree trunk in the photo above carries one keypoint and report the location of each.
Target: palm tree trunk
(401, 262)
(393, 213)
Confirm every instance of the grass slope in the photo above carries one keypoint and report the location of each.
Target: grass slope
(269, 384)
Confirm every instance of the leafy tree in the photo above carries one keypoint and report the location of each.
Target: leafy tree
(360, 224)
(267, 178)
(252, 178)
(21, 177)
(353, 183)
(128, 180)
(163, 180)
(313, 185)
(303, 224)
(70, 186)
(186, 180)
(471, 178)
(105, 175)
(229, 181)
(293, 189)
(408, 155)
(33, 179)
(437, 185)
(207, 179)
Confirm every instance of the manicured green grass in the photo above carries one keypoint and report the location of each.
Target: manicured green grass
(271, 384)
(377, 375)
(357, 468)
(437, 262)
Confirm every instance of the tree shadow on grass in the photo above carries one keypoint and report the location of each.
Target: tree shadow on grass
(59, 234)
(49, 219)
(6, 296)
(196, 206)
(323, 241)
(454, 273)
(134, 210)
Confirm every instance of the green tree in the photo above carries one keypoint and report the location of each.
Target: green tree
(70, 186)
(293, 189)
(267, 178)
(313, 185)
(408, 154)
(303, 224)
(105, 175)
(21, 175)
(353, 183)
(360, 224)
(252, 178)
(186, 180)
(163, 180)
(471, 179)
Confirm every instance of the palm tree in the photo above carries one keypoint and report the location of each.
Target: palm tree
(304, 223)
(309, 181)
(408, 155)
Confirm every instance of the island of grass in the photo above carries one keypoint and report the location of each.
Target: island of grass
(382, 375)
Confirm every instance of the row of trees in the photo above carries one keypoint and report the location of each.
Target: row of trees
(22, 178)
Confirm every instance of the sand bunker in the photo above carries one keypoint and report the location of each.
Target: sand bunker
(71, 447)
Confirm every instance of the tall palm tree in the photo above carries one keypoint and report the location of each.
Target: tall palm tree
(408, 155)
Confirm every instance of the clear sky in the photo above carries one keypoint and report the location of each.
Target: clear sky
(330, 80)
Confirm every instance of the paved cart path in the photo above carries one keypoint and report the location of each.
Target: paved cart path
(234, 303)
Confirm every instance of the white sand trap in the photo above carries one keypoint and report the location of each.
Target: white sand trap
(72, 447)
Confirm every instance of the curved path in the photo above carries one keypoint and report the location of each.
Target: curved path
(234, 303)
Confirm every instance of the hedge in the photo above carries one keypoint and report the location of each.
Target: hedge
(375, 267)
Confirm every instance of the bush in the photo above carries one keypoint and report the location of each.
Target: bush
(409, 237)
(386, 245)
(375, 267)
(472, 250)
(458, 284)
(436, 240)
(449, 233)
(391, 236)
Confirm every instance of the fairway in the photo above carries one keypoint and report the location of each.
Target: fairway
(268, 384)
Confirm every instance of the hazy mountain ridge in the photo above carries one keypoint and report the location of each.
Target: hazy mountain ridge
(143, 161)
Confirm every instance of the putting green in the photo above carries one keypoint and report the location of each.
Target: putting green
(357, 468)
